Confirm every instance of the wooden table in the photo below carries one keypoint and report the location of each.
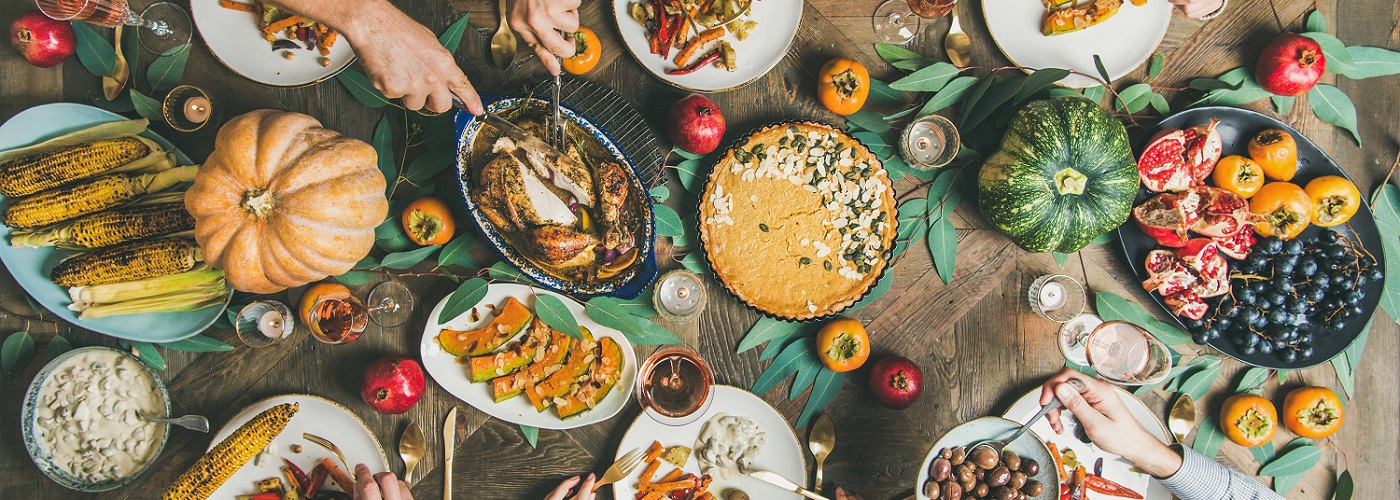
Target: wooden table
(977, 342)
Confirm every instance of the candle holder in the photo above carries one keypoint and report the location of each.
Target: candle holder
(929, 142)
(264, 322)
(679, 296)
(1056, 297)
(187, 108)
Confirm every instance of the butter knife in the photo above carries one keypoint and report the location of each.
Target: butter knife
(449, 443)
(781, 482)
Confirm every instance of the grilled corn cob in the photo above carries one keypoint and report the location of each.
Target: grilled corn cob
(36, 172)
(220, 463)
(126, 262)
(65, 203)
(104, 229)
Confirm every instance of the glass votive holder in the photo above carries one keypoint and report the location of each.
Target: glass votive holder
(264, 322)
(1056, 297)
(929, 142)
(187, 108)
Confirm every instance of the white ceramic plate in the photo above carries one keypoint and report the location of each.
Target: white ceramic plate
(30, 266)
(1123, 41)
(782, 454)
(765, 47)
(1114, 467)
(451, 375)
(234, 38)
(1027, 446)
(315, 415)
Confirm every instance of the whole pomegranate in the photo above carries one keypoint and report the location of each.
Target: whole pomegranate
(42, 41)
(695, 124)
(393, 384)
(897, 382)
(1290, 65)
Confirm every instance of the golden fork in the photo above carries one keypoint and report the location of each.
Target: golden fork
(622, 468)
(324, 443)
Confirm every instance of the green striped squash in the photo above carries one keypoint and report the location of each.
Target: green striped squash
(1064, 175)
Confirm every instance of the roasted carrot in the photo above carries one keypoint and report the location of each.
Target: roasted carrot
(675, 475)
(690, 482)
(341, 479)
(1098, 484)
(650, 471)
(331, 36)
(318, 481)
(1059, 462)
(654, 452)
(285, 23)
(704, 485)
(245, 7)
(655, 495)
(683, 31)
(695, 44)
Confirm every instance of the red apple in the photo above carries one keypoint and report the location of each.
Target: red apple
(896, 382)
(695, 124)
(393, 384)
(42, 41)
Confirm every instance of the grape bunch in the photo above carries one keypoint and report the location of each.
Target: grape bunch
(1287, 294)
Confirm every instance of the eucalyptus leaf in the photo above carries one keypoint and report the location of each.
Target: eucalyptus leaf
(389, 236)
(686, 154)
(1338, 57)
(1061, 258)
(1154, 68)
(915, 64)
(929, 79)
(824, 390)
(429, 164)
(504, 271)
(1368, 62)
(943, 246)
(879, 289)
(1296, 461)
(998, 94)
(868, 120)
(360, 88)
(653, 334)
(1209, 84)
(1282, 103)
(668, 222)
(122, 104)
(660, 194)
(881, 94)
(454, 253)
(451, 38)
(871, 139)
(1248, 91)
(894, 53)
(1103, 72)
(974, 95)
(605, 311)
(903, 240)
(95, 52)
(777, 345)
(368, 262)
(1040, 80)
(695, 263)
(59, 345)
(802, 381)
(1253, 380)
(165, 72)
(795, 356)
(1283, 484)
(532, 434)
(689, 173)
(16, 353)
(553, 312)
(1316, 22)
(640, 306)
(1160, 105)
(145, 106)
(383, 142)
(405, 260)
(1197, 384)
(1333, 106)
(198, 343)
(1345, 487)
(1263, 453)
(1134, 98)
(1095, 93)
(949, 95)
(901, 114)
(463, 299)
(1102, 239)
(148, 354)
(1208, 437)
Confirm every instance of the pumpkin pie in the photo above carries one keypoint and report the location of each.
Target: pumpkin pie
(797, 220)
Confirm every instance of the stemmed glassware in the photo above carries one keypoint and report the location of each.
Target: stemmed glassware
(390, 304)
(675, 386)
(898, 21)
(164, 24)
(340, 318)
(1124, 353)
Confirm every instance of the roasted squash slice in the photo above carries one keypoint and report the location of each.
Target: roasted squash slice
(542, 395)
(515, 356)
(1071, 19)
(510, 318)
(509, 386)
(602, 376)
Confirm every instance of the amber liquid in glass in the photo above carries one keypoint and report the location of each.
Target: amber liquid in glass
(675, 385)
(109, 13)
(338, 320)
(931, 9)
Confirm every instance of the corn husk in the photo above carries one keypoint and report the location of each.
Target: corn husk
(137, 298)
(158, 159)
(87, 296)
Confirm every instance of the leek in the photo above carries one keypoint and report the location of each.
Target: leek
(200, 277)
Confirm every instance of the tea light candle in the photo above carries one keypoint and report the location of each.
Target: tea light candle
(680, 296)
(196, 109)
(1052, 296)
(270, 324)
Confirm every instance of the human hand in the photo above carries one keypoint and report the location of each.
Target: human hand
(844, 494)
(381, 486)
(405, 60)
(1107, 421)
(585, 491)
(539, 23)
(1195, 9)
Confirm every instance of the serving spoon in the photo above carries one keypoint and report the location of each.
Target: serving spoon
(997, 445)
(821, 440)
(113, 83)
(191, 422)
(503, 42)
(411, 448)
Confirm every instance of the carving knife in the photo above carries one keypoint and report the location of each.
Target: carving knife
(783, 483)
(449, 443)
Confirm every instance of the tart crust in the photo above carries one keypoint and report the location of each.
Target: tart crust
(773, 230)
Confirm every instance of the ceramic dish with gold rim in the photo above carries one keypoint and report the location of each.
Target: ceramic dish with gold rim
(757, 54)
(315, 415)
(236, 41)
(798, 220)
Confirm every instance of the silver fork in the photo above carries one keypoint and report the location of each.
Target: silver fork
(324, 443)
(620, 469)
(556, 135)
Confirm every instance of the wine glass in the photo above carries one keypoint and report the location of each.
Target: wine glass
(338, 318)
(166, 25)
(1124, 353)
(897, 21)
(675, 386)
(391, 304)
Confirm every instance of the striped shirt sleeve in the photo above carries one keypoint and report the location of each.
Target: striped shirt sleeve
(1201, 478)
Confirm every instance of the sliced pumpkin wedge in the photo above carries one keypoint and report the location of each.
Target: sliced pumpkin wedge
(511, 359)
(511, 317)
(1071, 19)
(600, 379)
(509, 386)
(581, 357)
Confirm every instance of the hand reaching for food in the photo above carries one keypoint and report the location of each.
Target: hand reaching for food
(585, 491)
(539, 24)
(381, 486)
(1107, 421)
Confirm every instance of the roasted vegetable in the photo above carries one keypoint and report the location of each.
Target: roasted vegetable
(112, 227)
(127, 262)
(36, 172)
(186, 291)
(229, 455)
(66, 203)
(1071, 19)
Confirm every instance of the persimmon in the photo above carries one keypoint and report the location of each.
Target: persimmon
(1285, 208)
(428, 221)
(842, 85)
(1335, 199)
(1238, 175)
(1312, 412)
(843, 345)
(1248, 420)
(587, 52)
(1276, 152)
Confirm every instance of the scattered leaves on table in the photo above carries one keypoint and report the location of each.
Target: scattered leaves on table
(452, 37)
(16, 353)
(466, 296)
(1297, 460)
(197, 343)
(1344, 488)
(383, 143)
(668, 222)
(429, 164)
(795, 356)
(145, 106)
(1198, 383)
(824, 389)
(532, 434)
(95, 52)
(454, 253)
(1253, 380)
(1112, 307)
(555, 313)
(361, 89)
(689, 173)
(765, 330)
(148, 354)
(929, 79)
(1333, 106)
(165, 72)
(654, 334)
(59, 345)
(1154, 68)
(1208, 437)
(405, 260)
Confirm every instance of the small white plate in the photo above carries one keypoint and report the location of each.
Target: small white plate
(452, 375)
(1123, 41)
(1115, 468)
(782, 454)
(234, 38)
(765, 47)
(968, 433)
(315, 415)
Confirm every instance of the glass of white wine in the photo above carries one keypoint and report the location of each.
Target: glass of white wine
(1125, 354)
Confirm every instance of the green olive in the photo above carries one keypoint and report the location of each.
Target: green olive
(983, 457)
(1011, 460)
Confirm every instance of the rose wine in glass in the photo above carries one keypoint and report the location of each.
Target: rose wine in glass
(1123, 353)
(165, 25)
(674, 386)
(338, 318)
(931, 9)
(897, 21)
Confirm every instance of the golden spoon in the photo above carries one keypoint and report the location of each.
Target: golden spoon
(503, 42)
(957, 44)
(113, 83)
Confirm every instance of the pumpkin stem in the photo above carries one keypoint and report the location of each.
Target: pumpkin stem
(1070, 181)
(257, 202)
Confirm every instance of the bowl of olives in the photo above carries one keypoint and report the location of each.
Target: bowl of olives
(954, 471)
